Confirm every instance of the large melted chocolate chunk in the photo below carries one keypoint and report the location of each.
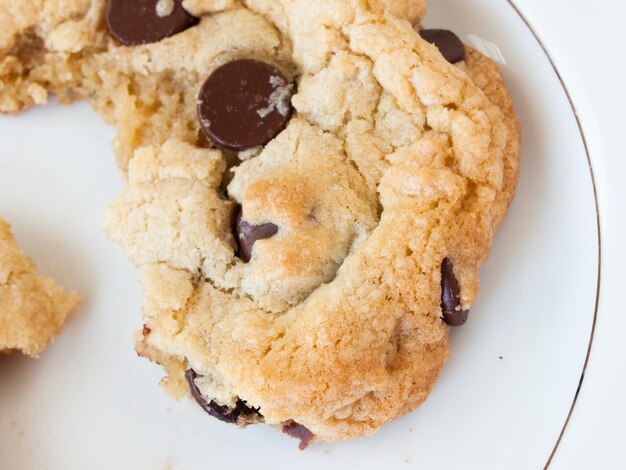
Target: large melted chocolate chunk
(134, 22)
(247, 235)
(223, 413)
(244, 104)
(448, 43)
(300, 432)
(453, 315)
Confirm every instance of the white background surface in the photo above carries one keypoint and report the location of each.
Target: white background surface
(584, 39)
(113, 414)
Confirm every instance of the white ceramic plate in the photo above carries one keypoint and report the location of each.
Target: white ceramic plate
(501, 402)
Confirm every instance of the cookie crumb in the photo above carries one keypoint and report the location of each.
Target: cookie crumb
(279, 99)
(250, 153)
(164, 8)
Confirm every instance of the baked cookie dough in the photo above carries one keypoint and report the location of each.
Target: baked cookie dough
(303, 276)
(33, 308)
(63, 48)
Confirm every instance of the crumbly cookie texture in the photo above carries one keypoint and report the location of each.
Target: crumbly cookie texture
(394, 160)
(33, 308)
(63, 47)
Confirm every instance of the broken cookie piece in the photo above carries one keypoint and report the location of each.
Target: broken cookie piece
(33, 308)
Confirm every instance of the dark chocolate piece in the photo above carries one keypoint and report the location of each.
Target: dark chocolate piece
(451, 296)
(448, 43)
(135, 22)
(244, 104)
(300, 432)
(223, 413)
(247, 235)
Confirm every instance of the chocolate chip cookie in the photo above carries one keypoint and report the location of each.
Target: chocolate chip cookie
(33, 308)
(312, 187)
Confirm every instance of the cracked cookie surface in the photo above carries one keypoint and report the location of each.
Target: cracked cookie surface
(394, 160)
(33, 308)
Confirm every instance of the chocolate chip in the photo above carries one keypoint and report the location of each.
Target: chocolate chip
(244, 104)
(240, 414)
(134, 22)
(146, 330)
(298, 431)
(451, 296)
(448, 43)
(247, 235)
